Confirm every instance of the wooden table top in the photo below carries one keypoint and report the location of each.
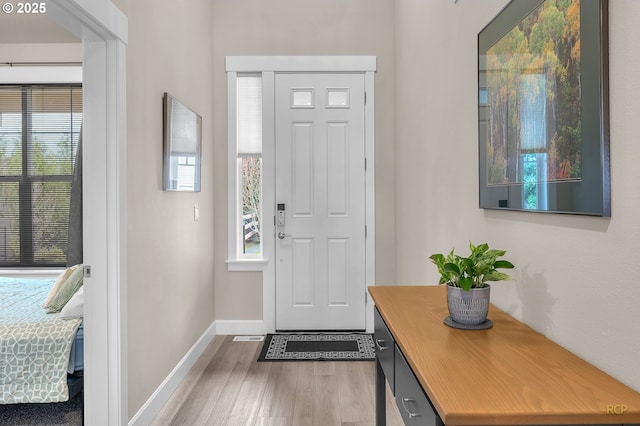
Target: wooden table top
(509, 374)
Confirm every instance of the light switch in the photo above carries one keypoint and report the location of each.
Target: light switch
(196, 213)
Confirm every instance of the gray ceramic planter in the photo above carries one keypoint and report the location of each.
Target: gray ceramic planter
(468, 307)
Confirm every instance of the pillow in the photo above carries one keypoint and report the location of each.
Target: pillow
(57, 284)
(75, 306)
(67, 290)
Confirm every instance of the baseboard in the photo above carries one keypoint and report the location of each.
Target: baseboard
(230, 327)
(159, 398)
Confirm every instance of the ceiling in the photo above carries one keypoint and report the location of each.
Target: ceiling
(35, 28)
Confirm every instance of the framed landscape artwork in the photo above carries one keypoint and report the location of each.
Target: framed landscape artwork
(543, 108)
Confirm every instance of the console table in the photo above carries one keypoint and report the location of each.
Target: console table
(506, 375)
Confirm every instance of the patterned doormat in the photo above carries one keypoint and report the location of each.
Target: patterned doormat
(318, 347)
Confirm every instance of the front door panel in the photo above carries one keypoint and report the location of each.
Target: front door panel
(320, 186)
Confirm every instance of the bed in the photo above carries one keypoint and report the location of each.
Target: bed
(41, 354)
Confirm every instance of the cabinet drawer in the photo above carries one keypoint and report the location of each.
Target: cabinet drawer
(413, 404)
(384, 348)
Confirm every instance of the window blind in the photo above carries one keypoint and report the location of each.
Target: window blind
(249, 116)
(39, 133)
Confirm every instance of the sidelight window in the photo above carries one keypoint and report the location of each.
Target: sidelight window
(249, 165)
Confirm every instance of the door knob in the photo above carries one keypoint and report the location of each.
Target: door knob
(282, 235)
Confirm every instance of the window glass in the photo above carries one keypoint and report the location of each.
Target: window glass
(251, 185)
(249, 163)
(39, 136)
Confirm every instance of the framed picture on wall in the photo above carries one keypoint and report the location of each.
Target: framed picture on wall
(182, 146)
(543, 108)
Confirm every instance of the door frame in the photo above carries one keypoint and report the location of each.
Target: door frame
(102, 27)
(269, 66)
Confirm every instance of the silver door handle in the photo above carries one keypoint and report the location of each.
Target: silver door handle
(282, 235)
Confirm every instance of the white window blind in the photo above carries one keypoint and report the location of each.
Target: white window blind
(249, 116)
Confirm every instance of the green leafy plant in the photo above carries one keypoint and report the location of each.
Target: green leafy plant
(474, 271)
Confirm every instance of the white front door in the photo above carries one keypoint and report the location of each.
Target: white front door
(320, 195)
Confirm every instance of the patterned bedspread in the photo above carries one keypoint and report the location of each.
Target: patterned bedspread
(34, 345)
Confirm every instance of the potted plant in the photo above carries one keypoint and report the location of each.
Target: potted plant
(466, 279)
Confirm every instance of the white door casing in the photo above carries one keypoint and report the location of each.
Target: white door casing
(268, 66)
(103, 29)
(320, 182)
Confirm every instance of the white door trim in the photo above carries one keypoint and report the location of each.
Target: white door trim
(103, 29)
(301, 63)
(269, 66)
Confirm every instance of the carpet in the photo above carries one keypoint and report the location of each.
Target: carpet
(318, 347)
(53, 414)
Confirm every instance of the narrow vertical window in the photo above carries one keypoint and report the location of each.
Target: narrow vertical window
(249, 164)
(533, 141)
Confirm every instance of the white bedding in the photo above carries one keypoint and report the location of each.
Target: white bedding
(34, 345)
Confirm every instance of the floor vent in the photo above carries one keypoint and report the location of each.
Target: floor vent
(248, 338)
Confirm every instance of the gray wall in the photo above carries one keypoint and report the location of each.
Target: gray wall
(170, 256)
(302, 27)
(576, 275)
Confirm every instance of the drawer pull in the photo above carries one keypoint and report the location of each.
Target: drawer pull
(409, 412)
(379, 345)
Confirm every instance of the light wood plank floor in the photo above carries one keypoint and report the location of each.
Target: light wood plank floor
(227, 386)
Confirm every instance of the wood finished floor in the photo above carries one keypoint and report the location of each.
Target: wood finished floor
(227, 386)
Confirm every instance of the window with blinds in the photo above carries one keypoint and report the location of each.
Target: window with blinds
(39, 135)
(249, 115)
(249, 162)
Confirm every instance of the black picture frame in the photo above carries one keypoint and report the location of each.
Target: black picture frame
(543, 108)
(182, 146)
